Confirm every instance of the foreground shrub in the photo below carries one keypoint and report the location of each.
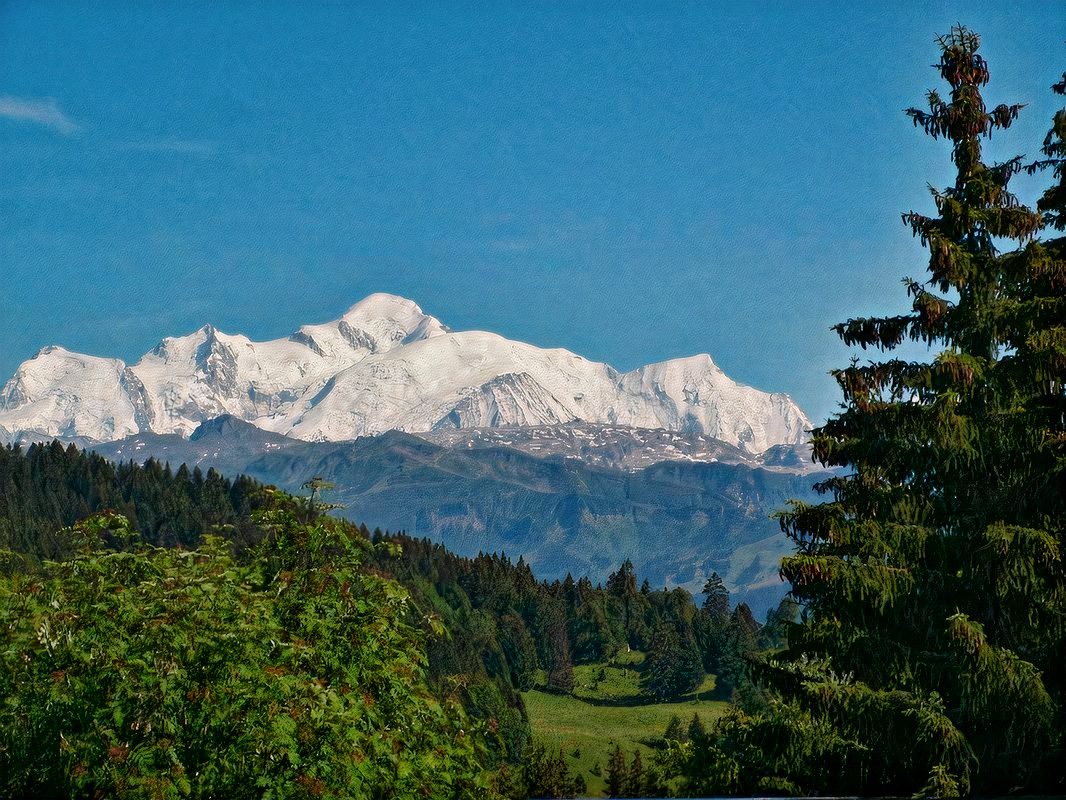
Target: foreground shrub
(134, 671)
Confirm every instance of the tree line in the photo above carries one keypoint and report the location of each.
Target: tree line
(46, 488)
(509, 632)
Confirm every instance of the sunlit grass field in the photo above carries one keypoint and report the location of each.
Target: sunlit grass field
(607, 709)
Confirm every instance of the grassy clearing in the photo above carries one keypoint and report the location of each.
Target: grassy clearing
(609, 710)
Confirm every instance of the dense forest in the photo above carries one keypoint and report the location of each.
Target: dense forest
(506, 631)
(47, 488)
(519, 633)
(172, 634)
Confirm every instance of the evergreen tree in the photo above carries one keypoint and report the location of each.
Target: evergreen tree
(716, 597)
(739, 645)
(617, 773)
(674, 664)
(931, 576)
(545, 774)
(560, 666)
(696, 729)
(774, 634)
(711, 623)
(635, 782)
(1040, 344)
(623, 586)
(675, 731)
(47, 488)
(656, 781)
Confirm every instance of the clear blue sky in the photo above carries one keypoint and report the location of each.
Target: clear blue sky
(633, 184)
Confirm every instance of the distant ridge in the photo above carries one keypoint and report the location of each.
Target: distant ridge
(562, 509)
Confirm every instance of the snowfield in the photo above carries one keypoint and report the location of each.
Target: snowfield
(384, 365)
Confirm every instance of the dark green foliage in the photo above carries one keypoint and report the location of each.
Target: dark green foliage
(147, 672)
(542, 774)
(630, 778)
(47, 488)
(674, 665)
(711, 623)
(1053, 202)
(675, 731)
(696, 729)
(507, 625)
(552, 624)
(930, 656)
(716, 597)
(739, 645)
(773, 635)
(617, 773)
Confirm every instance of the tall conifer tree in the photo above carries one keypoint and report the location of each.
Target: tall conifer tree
(932, 574)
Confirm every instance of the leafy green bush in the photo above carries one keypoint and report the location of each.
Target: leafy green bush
(132, 671)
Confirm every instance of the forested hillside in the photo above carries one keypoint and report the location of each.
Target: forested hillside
(562, 514)
(45, 488)
(493, 629)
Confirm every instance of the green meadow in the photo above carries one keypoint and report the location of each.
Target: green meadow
(605, 709)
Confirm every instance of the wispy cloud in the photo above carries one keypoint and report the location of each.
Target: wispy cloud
(38, 111)
(191, 147)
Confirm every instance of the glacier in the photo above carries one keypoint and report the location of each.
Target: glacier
(383, 365)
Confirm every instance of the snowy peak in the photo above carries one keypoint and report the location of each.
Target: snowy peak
(61, 393)
(382, 365)
(376, 323)
(697, 397)
(510, 399)
(53, 368)
(390, 321)
(197, 344)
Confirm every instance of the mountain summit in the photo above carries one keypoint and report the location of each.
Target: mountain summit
(383, 365)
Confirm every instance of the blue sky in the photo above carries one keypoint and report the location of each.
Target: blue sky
(631, 181)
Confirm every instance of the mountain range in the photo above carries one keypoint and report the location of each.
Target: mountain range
(384, 365)
(470, 439)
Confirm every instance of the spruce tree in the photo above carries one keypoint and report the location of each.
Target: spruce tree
(635, 781)
(617, 773)
(1040, 289)
(711, 623)
(674, 666)
(932, 576)
(675, 731)
(716, 597)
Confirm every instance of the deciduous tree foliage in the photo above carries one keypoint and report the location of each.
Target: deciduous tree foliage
(931, 658)
(152, 672)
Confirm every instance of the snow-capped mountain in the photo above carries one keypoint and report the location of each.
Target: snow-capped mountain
(384, 365)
